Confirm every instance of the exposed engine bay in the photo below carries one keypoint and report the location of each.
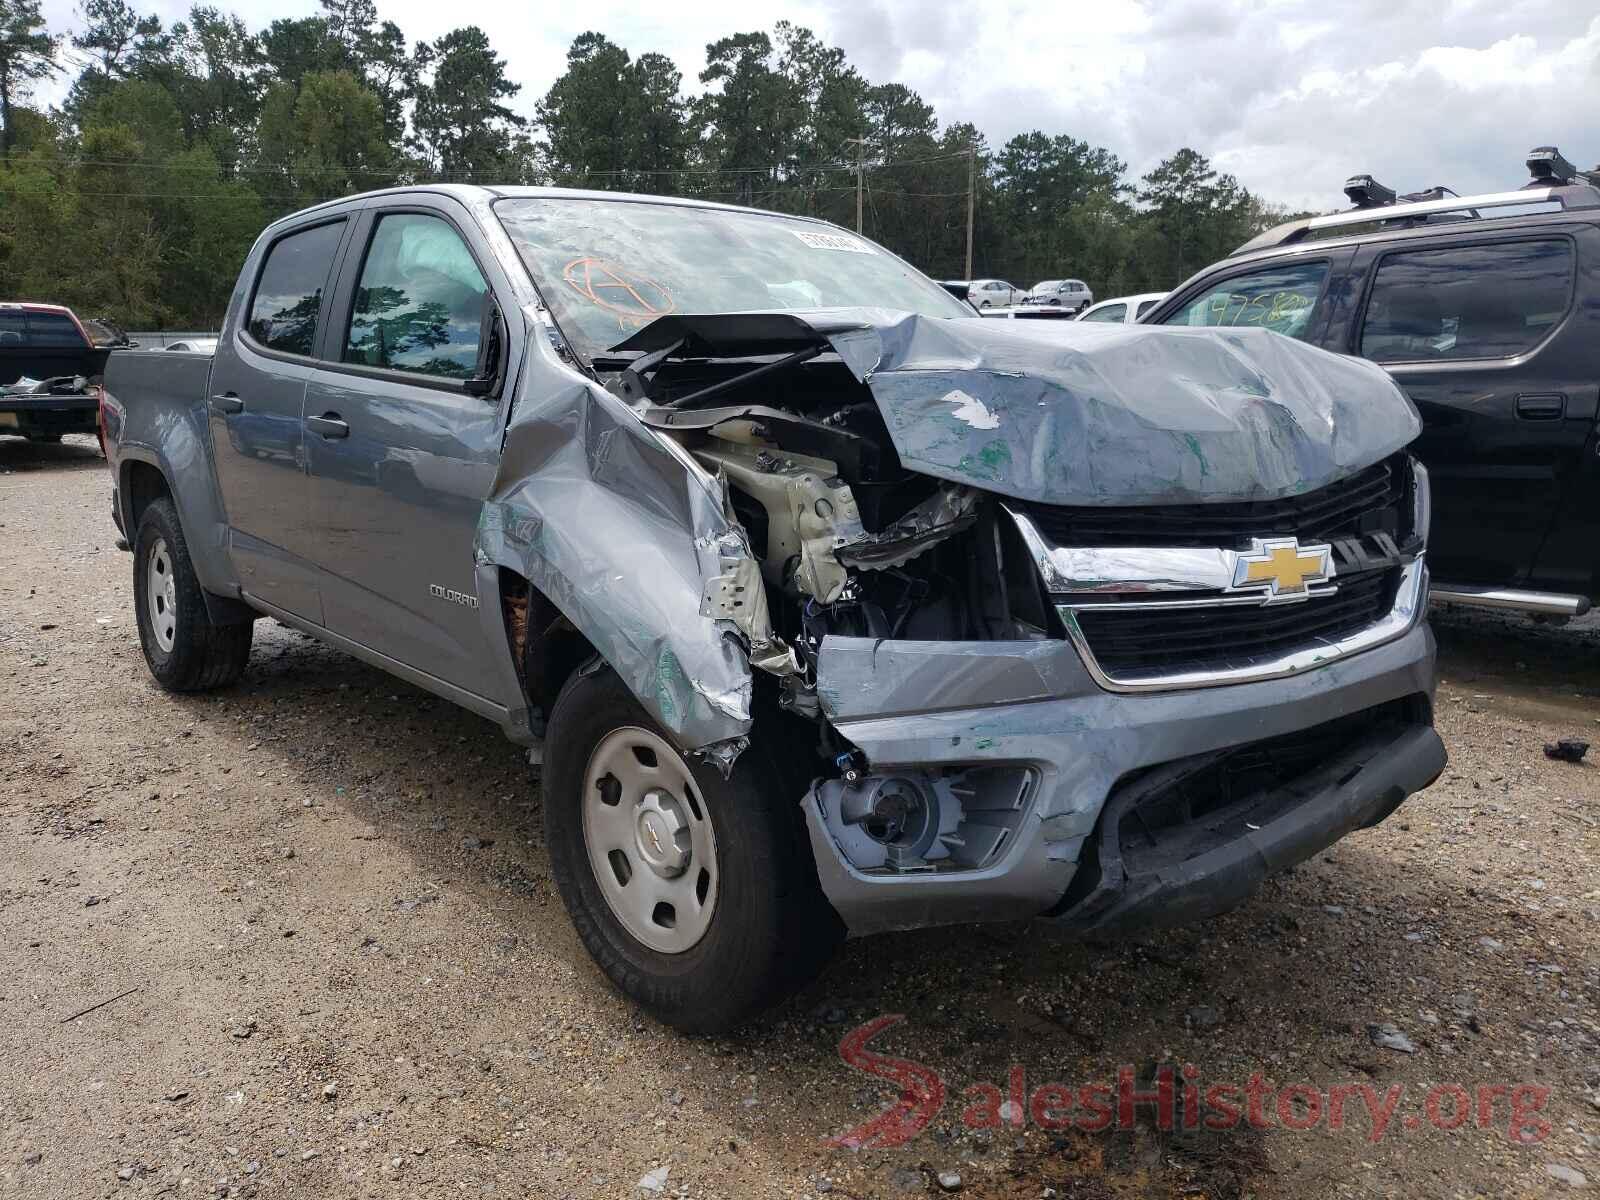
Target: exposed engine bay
(848, 541)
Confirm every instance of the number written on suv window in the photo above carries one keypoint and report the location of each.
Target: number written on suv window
(283, 315)
(1278, 298)
(1490, 300)
(419, 306)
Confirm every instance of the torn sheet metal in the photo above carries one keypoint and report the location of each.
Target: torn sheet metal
(949, 510)
(1092, 414)
(623, 533)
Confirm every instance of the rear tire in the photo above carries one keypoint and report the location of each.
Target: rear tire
(185, 649)
(741, 845)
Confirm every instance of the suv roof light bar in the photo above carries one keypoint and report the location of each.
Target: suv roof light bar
(1366, 192)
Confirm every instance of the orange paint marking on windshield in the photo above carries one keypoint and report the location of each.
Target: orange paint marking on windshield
(635, 298)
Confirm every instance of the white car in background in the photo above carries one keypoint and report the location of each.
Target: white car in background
(1122, 310)
(993, 293)
(194, 346)
(1070, 294)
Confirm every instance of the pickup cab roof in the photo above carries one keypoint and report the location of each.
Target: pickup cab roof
(472, 195)
(28, 326)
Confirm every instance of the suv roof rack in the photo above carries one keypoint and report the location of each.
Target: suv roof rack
(1548, 167)
(1366, 192)
(1555, 181)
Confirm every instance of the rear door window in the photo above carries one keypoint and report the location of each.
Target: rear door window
(1487, 300)
(1280, 298)
(283, 314)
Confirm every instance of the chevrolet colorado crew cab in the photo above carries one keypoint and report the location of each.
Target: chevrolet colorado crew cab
(830, 607)
(1486, 310)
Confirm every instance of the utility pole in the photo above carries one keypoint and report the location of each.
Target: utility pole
(972, 193)
(861, 150)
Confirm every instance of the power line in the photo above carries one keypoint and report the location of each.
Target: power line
(267, 197)
(167, 165)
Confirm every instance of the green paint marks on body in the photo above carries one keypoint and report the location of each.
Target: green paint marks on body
(984, 743)
(673, 690)
(990, 462)
(1194, 449)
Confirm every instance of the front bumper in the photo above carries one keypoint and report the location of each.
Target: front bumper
(930, 705)
(1356, 787)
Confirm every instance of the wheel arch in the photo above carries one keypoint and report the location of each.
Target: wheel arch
(545, 648)
(142, 478)
(139, 481)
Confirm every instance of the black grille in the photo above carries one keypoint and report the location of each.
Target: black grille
(1370, 501)
(1128, 641)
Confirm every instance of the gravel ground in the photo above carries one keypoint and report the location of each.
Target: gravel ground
(321, 912)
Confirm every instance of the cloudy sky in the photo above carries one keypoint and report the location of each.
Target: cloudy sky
(1289, 95)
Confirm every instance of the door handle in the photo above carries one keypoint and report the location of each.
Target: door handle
(329, 425)
(1541, 406)
(226, 405)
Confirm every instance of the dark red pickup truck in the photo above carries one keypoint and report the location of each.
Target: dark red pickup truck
(50, 373)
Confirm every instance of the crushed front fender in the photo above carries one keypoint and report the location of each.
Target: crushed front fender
(623, 533)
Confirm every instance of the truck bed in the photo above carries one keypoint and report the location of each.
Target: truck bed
(50, 414)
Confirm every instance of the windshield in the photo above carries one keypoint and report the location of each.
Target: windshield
(1049, 285)
(608, 267)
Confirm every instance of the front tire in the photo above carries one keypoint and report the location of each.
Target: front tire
(695, 894)
(185, 649)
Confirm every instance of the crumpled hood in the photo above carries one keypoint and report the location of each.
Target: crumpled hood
(1063, 412)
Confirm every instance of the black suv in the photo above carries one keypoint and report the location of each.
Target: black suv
(1486, 310)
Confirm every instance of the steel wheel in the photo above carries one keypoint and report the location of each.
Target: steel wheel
(161, 594)
(650, 840)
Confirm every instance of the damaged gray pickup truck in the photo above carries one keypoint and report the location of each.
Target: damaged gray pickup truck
(830, 607)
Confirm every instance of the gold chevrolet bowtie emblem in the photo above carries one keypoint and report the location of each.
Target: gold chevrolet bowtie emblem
(1282, 568)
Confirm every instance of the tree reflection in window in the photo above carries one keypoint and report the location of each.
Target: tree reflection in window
(292, 328)
(283, 314)
(420, 301)
(388, 329)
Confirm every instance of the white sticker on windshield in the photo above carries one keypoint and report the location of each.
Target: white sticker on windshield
(831, 241)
